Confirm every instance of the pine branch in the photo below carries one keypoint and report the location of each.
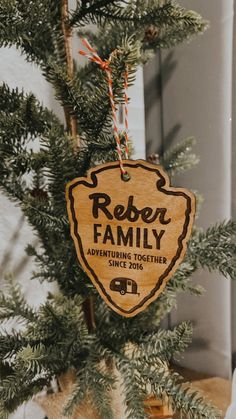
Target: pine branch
(115, 331)
(93, 380)
(12, 186)
(23, 119)
(14, 304)
(14, 391)
(54, 317)
(38, 360)
(40, 214)
(78, 395)
(161, 344)
(182, 397)
(134, 394)
(156, 24)
(3, 413)
(84, 12)
(31, 359)
(180, 157)
(159, 13)
(10, 344)
(215, 249)
(100, 384)
(181, 280)
(28, 26)
(167, 301)
(182, 26)
(90, 97)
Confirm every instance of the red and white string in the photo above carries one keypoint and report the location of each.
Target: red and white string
(126, 76)
(92, 55)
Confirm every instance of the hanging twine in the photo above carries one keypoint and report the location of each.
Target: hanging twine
(92, 55)
(126, 76)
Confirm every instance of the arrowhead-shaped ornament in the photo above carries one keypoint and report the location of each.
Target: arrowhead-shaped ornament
(130, 236)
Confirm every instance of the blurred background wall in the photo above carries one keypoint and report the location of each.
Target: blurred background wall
(234, 183)
(189, 93)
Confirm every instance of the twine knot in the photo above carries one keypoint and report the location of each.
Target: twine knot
(105, 65)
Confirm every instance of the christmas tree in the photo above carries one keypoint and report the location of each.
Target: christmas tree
(73, 335)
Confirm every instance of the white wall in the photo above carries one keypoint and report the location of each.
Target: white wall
(136, 117)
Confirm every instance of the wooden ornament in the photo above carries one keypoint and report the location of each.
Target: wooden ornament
(130, 236)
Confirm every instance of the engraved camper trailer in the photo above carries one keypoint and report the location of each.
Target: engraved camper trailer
(124, 286)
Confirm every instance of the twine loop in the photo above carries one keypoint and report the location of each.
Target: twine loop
(105, 65)
(92, 55)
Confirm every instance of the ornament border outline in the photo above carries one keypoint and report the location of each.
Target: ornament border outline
(161, 182)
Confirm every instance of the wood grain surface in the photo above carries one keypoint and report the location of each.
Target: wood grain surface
(130, 236)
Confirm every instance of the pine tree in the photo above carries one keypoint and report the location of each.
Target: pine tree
(74, 329)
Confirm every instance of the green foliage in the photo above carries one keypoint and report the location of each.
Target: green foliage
(77, 396)
(157, 23)
(38, 158)
(134, 393)
(181, 396)
(162, 382)
(88, 94)
(56, 338)
(180, 158)
(162, 344)
(96, 379)
(30, 26)
(215, 248)
(13, 304)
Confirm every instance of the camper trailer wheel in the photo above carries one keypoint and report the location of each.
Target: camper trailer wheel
(122, 292)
